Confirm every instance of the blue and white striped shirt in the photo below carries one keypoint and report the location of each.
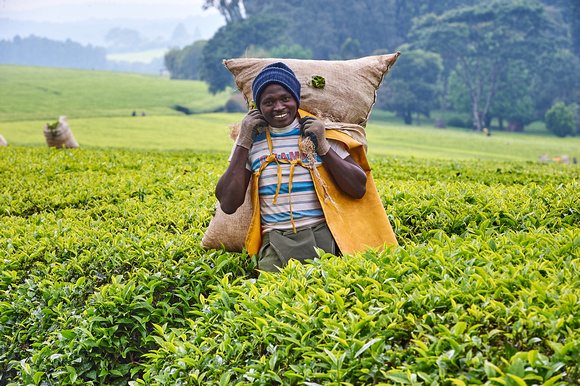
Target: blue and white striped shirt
(306, 209)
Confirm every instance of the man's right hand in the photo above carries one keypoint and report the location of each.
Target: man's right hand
(252, 125)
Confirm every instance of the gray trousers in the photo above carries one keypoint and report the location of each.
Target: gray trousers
(278, 247)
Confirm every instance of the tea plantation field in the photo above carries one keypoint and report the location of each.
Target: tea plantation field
(103, 281)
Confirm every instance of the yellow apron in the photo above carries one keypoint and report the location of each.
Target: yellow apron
(356, 224)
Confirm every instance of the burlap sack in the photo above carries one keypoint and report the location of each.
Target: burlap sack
(229, 230)
(349, 91)
(3, 141)
(60, 136)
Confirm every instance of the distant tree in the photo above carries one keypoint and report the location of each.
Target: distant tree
(38, 51)
(180, 36)
(561, 119)
(512, 101)
(294, 51)
(232, 40)
(184, 64)
(350, 49)
(322, 26)
(344, 29)
(230, 9)
(253, 51)
(575, 26)
(412, 85)
(405, 11)
(124, 39)
(254, 7)
(486, 40)
(556, 79)
(171, 61)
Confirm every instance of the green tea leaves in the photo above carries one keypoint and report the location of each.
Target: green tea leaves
(102, 279)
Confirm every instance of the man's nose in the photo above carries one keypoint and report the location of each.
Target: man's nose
(278, 105)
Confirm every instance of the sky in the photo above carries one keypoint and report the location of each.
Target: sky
(60, 19)
(79, 10)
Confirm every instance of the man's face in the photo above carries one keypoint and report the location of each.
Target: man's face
(278, 106)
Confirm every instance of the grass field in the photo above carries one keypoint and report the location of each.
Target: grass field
(98, 106)
(103, 280)
(209, 132)
(42, 93)
(142, 56)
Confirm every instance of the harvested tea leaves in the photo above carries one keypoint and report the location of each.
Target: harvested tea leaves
(318, 81)
(52, 126)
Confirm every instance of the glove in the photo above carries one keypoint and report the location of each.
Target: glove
(314, 128)
(252, 125)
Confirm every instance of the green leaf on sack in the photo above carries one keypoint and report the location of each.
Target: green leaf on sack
(318, 81)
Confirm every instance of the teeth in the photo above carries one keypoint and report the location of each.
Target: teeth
(281, 115)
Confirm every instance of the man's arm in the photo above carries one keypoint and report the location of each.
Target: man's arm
(349, 176)
(232, 185)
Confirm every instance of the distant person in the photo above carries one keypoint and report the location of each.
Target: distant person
(575, 160)
(544, 158)
(134, 113)
(143, 113)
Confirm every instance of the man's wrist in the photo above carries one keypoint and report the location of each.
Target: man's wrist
(323, 147)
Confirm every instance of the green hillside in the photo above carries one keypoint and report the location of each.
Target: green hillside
(44, 93)
(99, 104)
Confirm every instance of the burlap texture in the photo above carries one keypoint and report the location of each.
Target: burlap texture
(3, 141)
(61, 136)
(229, 230)
(350, 85)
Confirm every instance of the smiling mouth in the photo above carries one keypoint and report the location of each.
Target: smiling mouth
(281, 116)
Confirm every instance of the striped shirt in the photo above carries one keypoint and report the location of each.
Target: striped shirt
(306, 210)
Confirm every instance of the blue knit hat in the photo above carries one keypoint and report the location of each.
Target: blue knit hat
(276, 73)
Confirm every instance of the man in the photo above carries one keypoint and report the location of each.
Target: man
(287, 202)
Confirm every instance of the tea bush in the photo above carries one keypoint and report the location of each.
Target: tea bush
(103, 282)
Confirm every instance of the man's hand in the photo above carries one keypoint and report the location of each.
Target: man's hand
(252, 124)
(314, 128)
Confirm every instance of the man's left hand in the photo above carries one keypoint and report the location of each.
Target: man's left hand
(314, 128)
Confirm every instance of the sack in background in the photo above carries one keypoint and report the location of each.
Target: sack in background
(60, 136)
(3, 141)
(332, 90)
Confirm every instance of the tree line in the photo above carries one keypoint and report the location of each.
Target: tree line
(37, 51)
(512, 60)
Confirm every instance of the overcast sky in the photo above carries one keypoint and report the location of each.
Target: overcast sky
(77, 10)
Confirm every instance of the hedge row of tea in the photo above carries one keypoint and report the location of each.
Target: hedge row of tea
(103, 282)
